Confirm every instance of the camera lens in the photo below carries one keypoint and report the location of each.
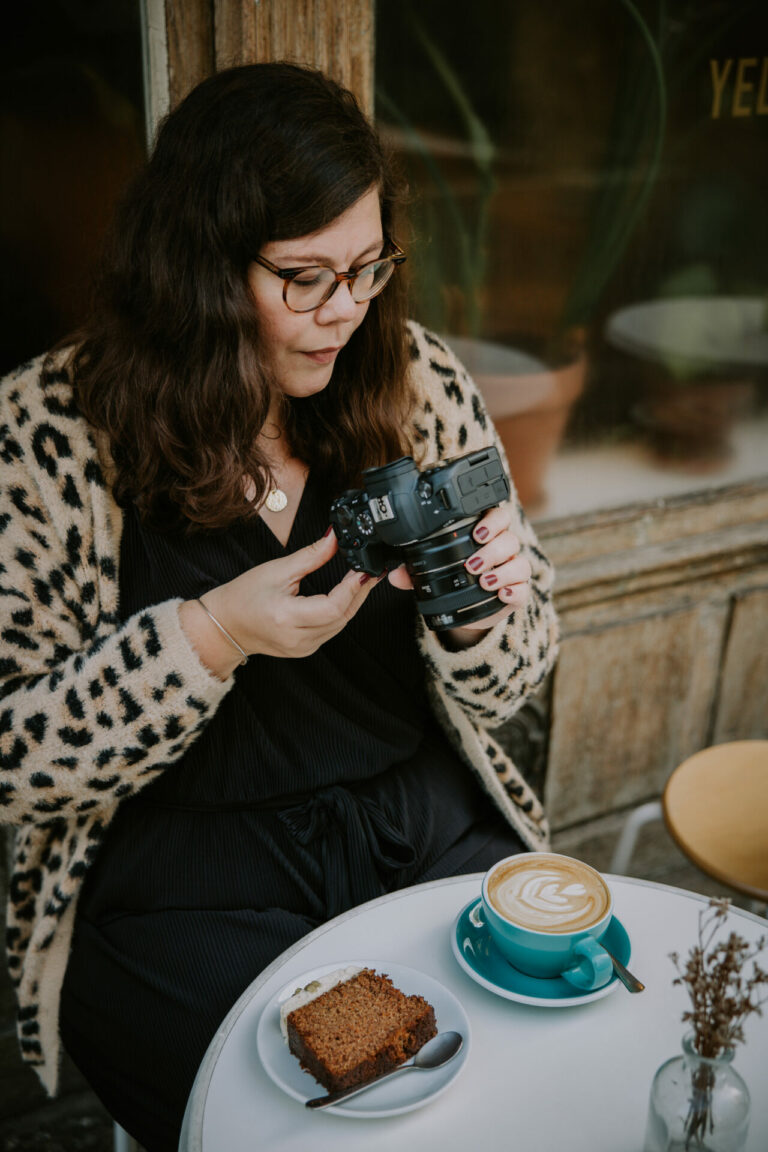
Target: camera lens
(425, 520)
(447, 595)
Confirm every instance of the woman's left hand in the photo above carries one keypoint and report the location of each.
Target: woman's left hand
(500, 567)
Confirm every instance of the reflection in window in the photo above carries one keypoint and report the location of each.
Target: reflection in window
(71, 131)
(588, 189)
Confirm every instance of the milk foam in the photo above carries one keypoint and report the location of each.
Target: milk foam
(548, 894)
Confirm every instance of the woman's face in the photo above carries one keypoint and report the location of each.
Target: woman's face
(302, 346)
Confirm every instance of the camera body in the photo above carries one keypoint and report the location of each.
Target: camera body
(424, 520)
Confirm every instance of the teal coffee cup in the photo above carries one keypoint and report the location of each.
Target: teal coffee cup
(547, 914)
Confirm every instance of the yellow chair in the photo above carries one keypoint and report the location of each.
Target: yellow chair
(715, 807)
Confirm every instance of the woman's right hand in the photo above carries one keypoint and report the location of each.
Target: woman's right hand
(263, 610)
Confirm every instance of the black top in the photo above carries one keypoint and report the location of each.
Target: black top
(327, 773)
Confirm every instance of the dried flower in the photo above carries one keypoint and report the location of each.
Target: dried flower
(722, 993)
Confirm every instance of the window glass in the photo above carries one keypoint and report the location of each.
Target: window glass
(71, 135)
(587, 200)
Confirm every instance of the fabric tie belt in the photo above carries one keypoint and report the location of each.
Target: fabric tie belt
(360, 848)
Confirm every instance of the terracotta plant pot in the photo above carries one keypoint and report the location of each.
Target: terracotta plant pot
(696, 357)
(529, 402)
(691, 425)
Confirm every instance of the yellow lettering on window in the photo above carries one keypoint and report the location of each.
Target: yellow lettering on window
(743, 88)
(718, 84)
(762, 95)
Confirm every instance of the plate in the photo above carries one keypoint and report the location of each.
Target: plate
(392, 1096)
(477, 954)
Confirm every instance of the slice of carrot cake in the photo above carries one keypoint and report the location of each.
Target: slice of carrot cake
(356, 1029)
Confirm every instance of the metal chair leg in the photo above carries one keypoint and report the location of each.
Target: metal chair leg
(123, 1142)
(625, 846)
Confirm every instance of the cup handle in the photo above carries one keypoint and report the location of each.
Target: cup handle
(594, 968)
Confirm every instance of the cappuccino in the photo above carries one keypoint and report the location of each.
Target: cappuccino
(548, 893)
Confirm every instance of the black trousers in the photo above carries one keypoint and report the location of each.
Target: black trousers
(137, 1018)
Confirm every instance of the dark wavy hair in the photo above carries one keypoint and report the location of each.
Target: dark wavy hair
(170, 365)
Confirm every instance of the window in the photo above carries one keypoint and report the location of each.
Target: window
(588, 187)
(72, 132)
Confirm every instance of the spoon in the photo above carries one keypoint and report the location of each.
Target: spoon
(436, 1052)
(630, 982)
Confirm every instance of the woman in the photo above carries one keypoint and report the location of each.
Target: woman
(214, 736)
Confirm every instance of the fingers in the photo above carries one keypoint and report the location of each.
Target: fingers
(399, 578)
(350, 593)
(515, 595)
(265, 609)
(332, 611)
(299, 625)
(500, 549)
(292, 569)
(494, 521)
(507, 573)
(312, 620)
(497, 563)
(511, 596)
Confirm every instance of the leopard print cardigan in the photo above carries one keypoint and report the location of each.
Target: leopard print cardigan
(92, 709)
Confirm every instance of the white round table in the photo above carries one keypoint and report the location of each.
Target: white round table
(536, 1079)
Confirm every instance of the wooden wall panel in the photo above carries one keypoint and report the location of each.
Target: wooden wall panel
(191, 54)
(629, 703)
(207, 35)
(335, 35)
(742, 711)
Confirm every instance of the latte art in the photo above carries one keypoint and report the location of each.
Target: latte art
(549, 893)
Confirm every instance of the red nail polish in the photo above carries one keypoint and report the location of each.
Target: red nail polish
(490, 580)
(328, 531)
(364, 578)
(481, 533)
(475, 563)
(508, 591)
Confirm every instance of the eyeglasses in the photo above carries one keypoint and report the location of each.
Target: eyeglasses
(305, 289)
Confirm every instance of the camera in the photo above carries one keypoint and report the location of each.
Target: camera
(424, 520)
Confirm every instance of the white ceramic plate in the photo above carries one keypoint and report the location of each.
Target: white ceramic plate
(401, 1093)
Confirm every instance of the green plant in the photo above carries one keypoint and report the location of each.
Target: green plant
(640, 111)
(469, 228)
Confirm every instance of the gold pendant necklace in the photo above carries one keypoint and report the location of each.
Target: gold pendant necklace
(276, 500)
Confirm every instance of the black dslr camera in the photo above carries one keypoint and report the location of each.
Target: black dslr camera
(424, 520)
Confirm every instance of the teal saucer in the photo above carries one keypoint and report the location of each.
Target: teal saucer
(477, 954)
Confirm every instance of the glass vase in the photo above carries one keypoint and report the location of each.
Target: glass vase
(697, 1105)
